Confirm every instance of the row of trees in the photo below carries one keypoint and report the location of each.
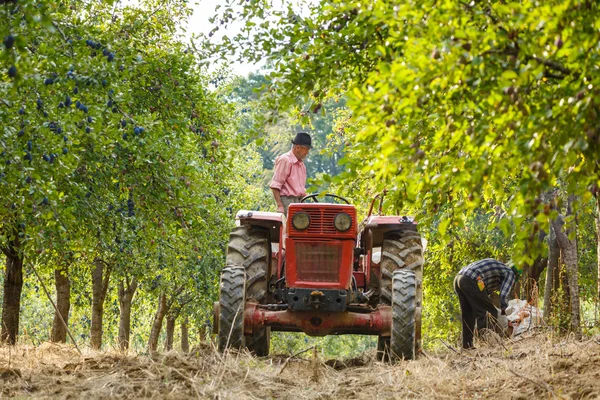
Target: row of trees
(120, 167)
(481, 115)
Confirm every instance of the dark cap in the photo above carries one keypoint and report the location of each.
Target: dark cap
(302, 139)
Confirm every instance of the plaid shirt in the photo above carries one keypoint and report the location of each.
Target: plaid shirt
(495, 275)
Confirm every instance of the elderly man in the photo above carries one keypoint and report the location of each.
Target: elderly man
(473, 284)
(289, 178)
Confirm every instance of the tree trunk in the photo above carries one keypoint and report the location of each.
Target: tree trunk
(100, 279)
(531, 276)
(202, 332)
(565, 301)
(170, 332)
(185, 336)
(13, 285)
(157, 324)
(559, 274)
(63, 304)
(598, 240)
(551, 275)
(569, 251)
(125, 300)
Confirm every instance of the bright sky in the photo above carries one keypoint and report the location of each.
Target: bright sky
(199, 23)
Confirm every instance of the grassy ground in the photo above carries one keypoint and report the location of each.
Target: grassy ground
(538, 365)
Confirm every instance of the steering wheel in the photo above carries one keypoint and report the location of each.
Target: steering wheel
(315, 195)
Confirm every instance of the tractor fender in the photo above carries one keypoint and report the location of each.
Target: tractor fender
(379, 225)
(273, 221)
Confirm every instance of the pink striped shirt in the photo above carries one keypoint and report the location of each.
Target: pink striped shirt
(289, 175)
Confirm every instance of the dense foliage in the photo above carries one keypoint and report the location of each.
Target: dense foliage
(481, 118)
(115, 148)
(121, 147)
(465, 105)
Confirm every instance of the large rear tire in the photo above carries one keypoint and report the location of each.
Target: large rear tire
(402, 250)
(403, 343)
(249, 248)
(231, 308)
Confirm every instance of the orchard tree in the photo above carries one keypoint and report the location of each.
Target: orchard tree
(460, 95)
(449, 99)
(113, 149)
(272, 136)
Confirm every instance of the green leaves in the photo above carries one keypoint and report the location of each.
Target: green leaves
(443, 226)
(113, 144)
(470, 112)
(478, 109)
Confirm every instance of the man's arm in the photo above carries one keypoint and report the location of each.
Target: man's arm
(506, 289)
(281, 171)
(277, 196)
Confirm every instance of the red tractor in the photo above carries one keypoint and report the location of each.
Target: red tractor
(319, 272)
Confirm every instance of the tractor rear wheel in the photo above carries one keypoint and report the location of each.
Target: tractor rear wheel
(249, 248)
(403, 344)
(231, 308)
(402, 250)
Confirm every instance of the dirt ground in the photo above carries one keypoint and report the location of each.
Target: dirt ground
(535, 366)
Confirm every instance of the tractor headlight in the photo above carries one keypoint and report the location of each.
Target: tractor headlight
(342, 222)
(301, 221)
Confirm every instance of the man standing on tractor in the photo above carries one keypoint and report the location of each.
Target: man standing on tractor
(473, 285)
(289, 178)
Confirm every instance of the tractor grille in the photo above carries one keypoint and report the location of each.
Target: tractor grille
(318, 262)
(321, 220)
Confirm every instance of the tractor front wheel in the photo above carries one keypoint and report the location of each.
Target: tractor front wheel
(383, 349)
(231, 308)
(402, 250)
(403, 344)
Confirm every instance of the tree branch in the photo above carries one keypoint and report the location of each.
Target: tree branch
(54, 24)
(554, 76)
(106, 280)
(551, 64)
(153, 13)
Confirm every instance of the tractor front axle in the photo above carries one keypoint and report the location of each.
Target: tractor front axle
(319, 323)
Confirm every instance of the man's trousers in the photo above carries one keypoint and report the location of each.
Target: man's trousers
(476, 308)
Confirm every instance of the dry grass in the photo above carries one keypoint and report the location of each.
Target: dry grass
(536, 366)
